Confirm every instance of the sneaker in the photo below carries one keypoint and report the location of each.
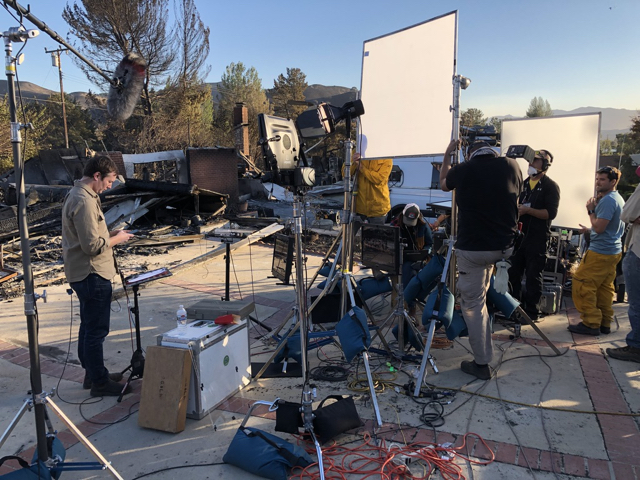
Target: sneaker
(109, 389)
(582, 329)
(86, 383)
(629, 354)
(605, 330)
(483, 372)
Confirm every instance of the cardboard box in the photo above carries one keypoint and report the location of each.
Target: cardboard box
(165, 389)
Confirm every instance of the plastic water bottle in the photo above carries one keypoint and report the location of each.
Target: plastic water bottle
(181, 315)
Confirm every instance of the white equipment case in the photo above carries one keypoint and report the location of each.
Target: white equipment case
(220, 358)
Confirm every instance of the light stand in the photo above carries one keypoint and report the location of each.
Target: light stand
(39, 399)
(303, 320)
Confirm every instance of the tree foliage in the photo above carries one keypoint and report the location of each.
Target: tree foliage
(539, 107)
(32, 139)
(240, 85)
(472, 117)
(286, 89)
(81, 127)
(192, 39)
(110, 29)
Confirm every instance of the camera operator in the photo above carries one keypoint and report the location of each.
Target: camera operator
(417, 236)
(372, 199)
(487, 190)
(537, 207)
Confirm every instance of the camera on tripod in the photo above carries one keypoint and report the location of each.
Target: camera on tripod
(480, 133)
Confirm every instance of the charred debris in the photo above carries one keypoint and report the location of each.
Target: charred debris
(162, 207)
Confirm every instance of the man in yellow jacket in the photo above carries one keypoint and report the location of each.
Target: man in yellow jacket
(372, 199)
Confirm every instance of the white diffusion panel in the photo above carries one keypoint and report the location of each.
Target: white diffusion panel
(574, 142)
(407, 89)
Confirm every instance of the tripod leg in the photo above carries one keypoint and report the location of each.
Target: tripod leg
(372, 388)
(528, 321)
(325, 259)
(280, 347)
(82, 439)
(25, 406)
(425, 356)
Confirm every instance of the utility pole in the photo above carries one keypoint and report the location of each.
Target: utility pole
(55, 61)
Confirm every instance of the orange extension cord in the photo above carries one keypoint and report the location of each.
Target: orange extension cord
(388, 462)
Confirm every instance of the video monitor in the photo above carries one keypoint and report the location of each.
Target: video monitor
(282, 258)
(381, 248)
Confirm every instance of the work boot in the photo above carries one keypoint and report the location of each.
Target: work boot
(109, 389)
(86, 383)
(605, 330)
(582, 329)
(482, 372)
(629, 354)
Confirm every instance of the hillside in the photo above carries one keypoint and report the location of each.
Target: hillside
(614, 120)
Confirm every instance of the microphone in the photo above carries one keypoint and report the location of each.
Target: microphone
(123, 97)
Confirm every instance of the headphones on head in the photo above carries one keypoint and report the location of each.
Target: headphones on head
(546, 157)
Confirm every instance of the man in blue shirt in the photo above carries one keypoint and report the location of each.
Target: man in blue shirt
(592, 287)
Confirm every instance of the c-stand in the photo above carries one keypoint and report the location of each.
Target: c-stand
(39, 399)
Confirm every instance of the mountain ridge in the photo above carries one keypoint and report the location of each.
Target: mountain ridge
(613, 120)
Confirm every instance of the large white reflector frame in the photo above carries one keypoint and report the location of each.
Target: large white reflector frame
(407, 89)
(574, 142)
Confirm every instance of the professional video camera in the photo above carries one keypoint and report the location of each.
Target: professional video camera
(282, 153)
(479, 133)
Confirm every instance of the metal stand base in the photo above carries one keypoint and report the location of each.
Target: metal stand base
(45, 399)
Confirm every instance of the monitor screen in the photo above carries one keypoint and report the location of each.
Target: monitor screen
(381, 247)
(282, 257)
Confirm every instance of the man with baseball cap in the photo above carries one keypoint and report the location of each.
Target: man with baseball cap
(537, 207)
(415, 234)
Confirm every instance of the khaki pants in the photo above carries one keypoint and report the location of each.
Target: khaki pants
(592, 288)
(474, 276)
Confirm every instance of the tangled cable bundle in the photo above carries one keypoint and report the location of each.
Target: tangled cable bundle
(391, 461)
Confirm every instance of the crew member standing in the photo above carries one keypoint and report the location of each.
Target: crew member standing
(631, 271)
(87, 249)
(372, 199)
(592, 287)
(537, 207)
(487, 190)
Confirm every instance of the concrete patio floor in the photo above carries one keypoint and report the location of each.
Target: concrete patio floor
(542, 416)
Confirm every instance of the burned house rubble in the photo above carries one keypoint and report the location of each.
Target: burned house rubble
(167, 198)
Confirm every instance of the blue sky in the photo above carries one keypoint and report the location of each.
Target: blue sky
(574, 53)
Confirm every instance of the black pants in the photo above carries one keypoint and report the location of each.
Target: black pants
(529, 260)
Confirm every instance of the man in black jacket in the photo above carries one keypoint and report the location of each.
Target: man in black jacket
(537, 207)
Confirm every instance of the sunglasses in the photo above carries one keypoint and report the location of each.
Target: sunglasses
(611, 172)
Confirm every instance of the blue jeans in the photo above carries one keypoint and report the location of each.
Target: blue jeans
(94, 293)
(631, 270)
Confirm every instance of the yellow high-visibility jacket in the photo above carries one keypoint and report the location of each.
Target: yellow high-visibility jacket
(372, 199)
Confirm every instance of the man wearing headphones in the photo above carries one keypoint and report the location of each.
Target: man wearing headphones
(537, 207)
(487, 189)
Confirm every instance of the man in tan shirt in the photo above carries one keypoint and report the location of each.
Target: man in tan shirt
(87, 248)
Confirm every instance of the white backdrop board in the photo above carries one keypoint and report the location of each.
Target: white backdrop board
(574, 142)
(407, 89)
